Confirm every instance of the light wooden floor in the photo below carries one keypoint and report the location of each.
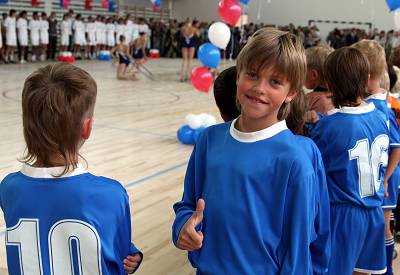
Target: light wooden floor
(134, 141)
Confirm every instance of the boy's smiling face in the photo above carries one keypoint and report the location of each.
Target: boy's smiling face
(261, 94)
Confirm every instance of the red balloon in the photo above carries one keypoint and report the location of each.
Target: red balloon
(201, 79)
(104, 4)
(229, 11)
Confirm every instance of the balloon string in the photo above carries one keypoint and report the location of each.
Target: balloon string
(259, 10)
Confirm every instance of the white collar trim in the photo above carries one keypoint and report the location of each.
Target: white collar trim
(51, 172)
(258, 135)
(358, 110)
(381, 95)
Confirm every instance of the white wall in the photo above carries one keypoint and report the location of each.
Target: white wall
(282, 12)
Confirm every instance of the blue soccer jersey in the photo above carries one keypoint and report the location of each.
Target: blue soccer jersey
(262, 202)
(354, 144)
(75, 224)
(381, 104)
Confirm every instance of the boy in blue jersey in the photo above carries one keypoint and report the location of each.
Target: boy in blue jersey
(61, 219)
(353, 143)
(375, 54)
(251, 198)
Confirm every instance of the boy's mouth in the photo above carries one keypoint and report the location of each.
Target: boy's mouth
(255, 99)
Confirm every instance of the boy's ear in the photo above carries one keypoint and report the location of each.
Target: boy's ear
(87, 128)
(314, 74)
(292, 94)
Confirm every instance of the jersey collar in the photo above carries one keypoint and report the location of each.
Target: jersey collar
(358, 110)
(258, 135)
(51, 172)
(381, 95)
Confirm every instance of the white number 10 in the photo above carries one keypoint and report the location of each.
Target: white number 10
(370, 160)
(25, 235)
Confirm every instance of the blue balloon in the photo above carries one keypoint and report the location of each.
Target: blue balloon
(196, 133)
(185, 135)
(393, 4)
(157, 3)
(209, 55)
(244, 1)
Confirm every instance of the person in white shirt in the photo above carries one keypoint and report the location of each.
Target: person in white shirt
(135, 30)
(44, 36)
(120, 29)
(103, 39)
(91, 38)
(71, 34)
(110, 33)
(34, 29)
(143, 27)
(128, 29)
(11, 36)
(22, 30)
(64, 33)
(79, 35)
(99, 33)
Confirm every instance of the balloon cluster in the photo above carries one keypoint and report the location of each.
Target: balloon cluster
(66, 57)
(219, 35)
(155, 5)
(104, 56)
(194, 125)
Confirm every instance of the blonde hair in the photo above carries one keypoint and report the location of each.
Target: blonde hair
(279, 49)
(385, 82)
(316, 57)
(396, 87)
(375, 54)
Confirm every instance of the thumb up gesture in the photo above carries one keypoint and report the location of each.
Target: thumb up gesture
(190, 239)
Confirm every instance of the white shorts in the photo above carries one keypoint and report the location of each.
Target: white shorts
(11, 39)
(23, 40)
(110, 40)
(35, 39)
(91, 38)
(79, 39)
(44, 39)
(65, 39)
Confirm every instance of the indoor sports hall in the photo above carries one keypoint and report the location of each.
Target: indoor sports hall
(151, 110)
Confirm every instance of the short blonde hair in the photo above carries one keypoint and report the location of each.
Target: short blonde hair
(375, 54)
(279, 49)
(385, 82)
(316, 57)
(396, 87)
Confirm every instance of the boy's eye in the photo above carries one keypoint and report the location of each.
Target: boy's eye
(276, 82)
(251, 74)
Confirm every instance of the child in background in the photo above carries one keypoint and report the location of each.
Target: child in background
(375, 54)
(320, 99)
(81, 221)
(261, 177)
(354, 172)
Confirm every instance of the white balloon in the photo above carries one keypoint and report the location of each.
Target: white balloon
(188, 118)
(219, 34)
(194, 122)
(203, 117)
(210, 120)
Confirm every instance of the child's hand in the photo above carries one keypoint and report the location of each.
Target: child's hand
(190, 239)
(131, 263)
(385, 184)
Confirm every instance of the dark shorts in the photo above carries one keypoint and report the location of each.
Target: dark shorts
(188, 42)
(123, 59)
(137, 54)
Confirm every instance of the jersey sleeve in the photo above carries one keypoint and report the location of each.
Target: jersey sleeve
(123, 238)
(321, 246)
(298, 226)
(394, 131)
(194, 178)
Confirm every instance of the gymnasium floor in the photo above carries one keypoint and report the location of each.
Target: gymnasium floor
(133, 141)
